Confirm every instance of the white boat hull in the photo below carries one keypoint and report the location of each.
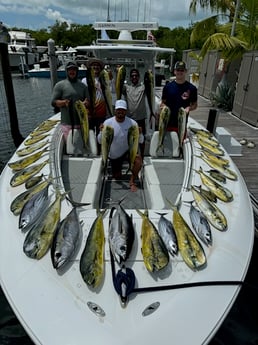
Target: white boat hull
(54, 307)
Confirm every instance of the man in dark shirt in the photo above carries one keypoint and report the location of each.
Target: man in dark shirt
(179, 93)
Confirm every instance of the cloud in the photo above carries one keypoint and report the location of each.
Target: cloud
(35, 13)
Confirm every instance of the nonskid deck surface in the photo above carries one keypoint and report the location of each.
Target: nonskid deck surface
(164, 175)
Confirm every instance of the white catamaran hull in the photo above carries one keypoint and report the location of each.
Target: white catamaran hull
(58, 308)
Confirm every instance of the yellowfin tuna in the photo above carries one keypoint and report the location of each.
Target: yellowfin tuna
(92, 258)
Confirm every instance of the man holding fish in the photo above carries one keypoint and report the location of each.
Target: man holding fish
(126, 136)
(178, 94)
(135, 94)
(65, 93)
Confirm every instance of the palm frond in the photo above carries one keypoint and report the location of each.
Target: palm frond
(231, 47)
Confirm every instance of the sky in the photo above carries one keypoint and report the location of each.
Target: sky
(40, 14)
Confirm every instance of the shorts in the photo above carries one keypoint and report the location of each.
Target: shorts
(116, 164)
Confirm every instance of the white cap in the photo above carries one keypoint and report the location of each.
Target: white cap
(121, 104)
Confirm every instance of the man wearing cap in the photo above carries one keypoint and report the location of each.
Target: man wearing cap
(135, 95)
(98, 110)
(119, 148)
(179, 93)
(64, 95)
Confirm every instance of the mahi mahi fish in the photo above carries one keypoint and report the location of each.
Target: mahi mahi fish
(189, 247)
(154, 252)
(105, 86)
(40, 237)
(27, 150)
(149, 87)
(24, 175)
(121, 233)
(33, 181)
(221, 193)
(82, 112)
(107, 136)
(92, 258)
(217, 159)
(182, 121)
(120, 79)
(90, 77)
(163, 123)
(210, 148)
(26, 161)
(33, 140)
(201, 225)
(227, 172)
(33, 209)
(66, 239)
(168, 235)
(133, 144)
(213, 214)
(21, 199)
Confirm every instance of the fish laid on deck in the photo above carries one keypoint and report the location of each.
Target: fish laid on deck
(92, 258)
(18, 203)
(189, 247)
(33, 140)
(221, 193)
(121, 233)
(227, 172)
(24, 175)
(40, 237)
(31, 148)
(66, 239)
(33, 209)
(154, 251)
(213, 214)
(200, 225)
(168, 235)
(26, 161)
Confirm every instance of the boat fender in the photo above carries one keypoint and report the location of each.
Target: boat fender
(124, 282)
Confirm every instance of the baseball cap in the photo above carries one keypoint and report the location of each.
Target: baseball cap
(180, 65)
(71, 64)
(121, 104)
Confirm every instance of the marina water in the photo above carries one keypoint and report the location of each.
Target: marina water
(32, 97)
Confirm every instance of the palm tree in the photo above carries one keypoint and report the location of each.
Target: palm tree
(234, 38)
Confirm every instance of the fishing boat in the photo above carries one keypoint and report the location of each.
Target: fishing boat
(44, 72)
(22, 49)
(134, 302)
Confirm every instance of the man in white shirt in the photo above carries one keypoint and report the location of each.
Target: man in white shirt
(119, 148)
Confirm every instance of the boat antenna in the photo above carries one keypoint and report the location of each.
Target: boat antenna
(108, 14)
